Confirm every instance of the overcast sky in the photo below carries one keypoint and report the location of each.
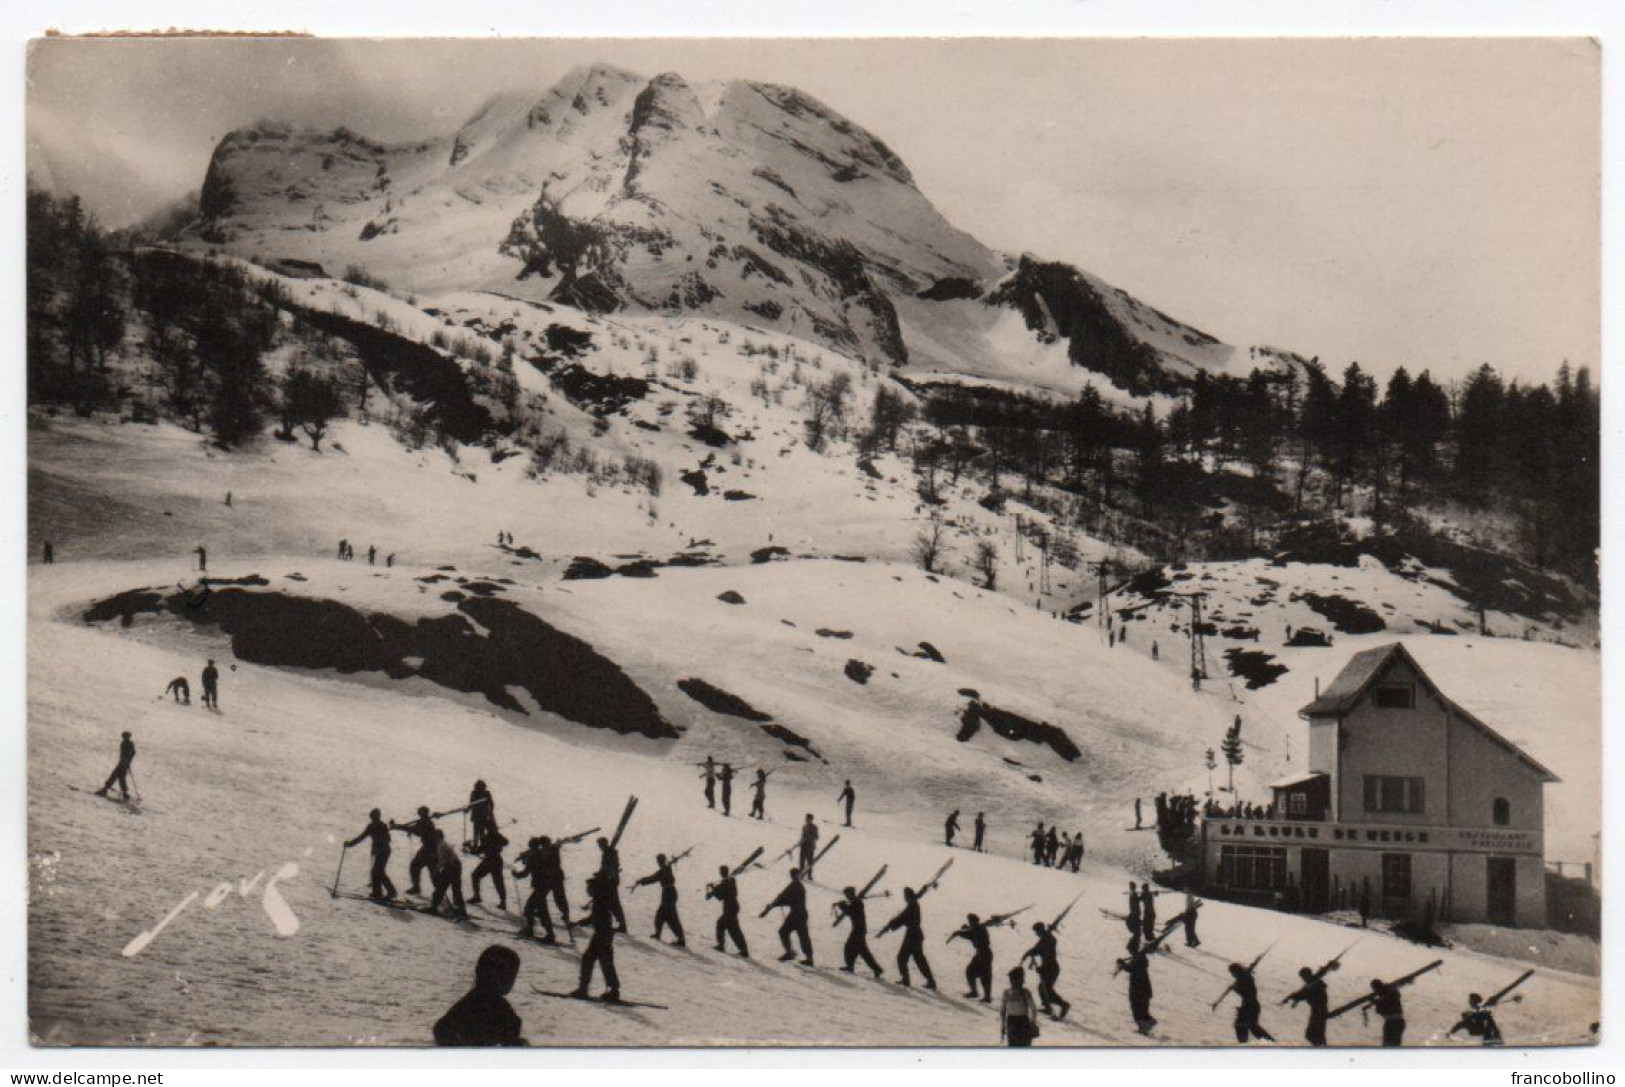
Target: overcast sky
(1426, 203)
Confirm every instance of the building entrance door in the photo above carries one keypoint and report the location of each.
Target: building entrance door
(1316, 880)
(1501, 896)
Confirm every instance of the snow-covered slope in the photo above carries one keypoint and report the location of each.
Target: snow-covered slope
(745, 201)
(296, 758)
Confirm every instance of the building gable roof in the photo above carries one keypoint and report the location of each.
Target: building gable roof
(1363, 669)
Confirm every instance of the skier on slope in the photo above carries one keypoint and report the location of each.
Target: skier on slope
(727, 788)
(447, 874)
(1247, 1007)
(482, 814)
(1148, 911)
(851, 910)
(848, 797)
(726, 891)
(793, 900)
(758, 804)
(180, 689)
(211, 686)
(979, 971)
(601, 910)
(1037, 839)
(423, 829)
(1138, 968)
(489, 851)
(913, 946)
(483, 1017)
(121, 773)
(666, 913)
(808, 846)
(1134, 903)
(540, 864)
(710, 766)
(1314, 994)
(950, 827)
(1044, 954)
(609, 880)
(378, 831)
(980, 828)
(202, 558)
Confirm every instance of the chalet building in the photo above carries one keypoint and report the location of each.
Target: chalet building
(1409, 802)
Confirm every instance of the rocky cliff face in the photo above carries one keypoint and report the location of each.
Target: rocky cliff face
(744, 201)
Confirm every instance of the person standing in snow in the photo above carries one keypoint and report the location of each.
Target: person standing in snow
(758, 804)
(211, 686)
(490, 853)
(710, 765)
(1018, 1019)
(1148, 911)
(980, 827)
(344, 549)
(852, 910)
(378, 831)
(726, 891)
(483, 1017)
(1052, 847)
(609, 881)
(950, 827)
(1137, 813)
(666, 913)
(1314, 994)
(1045, 955)
(202, 558)
(121, 773)
(1138, 968)
(423, 829)
(727, 788)
(1247, 1007)
(979, 971)
(1390, 1009)
(793, 900)
(1478, 1021)
(1038, 843)
(1134, 908)
(372, 555)
(180, 689)
(482, 814)
(447, 875)
(390, 562)
(541, 865)
(848, 797)
(601, 910)
(913, 946)
(1192, 904)
(809, 846)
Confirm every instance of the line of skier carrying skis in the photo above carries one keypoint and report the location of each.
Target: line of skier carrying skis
(541, 862)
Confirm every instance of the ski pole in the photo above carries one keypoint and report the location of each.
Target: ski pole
(134, 788)
(343, 849)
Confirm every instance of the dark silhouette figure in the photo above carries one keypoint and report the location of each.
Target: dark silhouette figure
(181, 689)
(447, 874)
(490, 853)
(793, 900)
(1138, 968)
(609, 881)
(726, 892)
(710, 782)
(211, 686)
(666, 913)
(980, 829)
(601, 911)
(727, 788)
(1037, 839)
(1018, 1019)
(950, 827)
(1391, 1010)
(1045, 956)
(423, 829)
(121, 773)
(378, 831)
(808, 846)
(372, 555)
(979, 971)
(758, 804)
(851, 910)
(913, 946)
(542, 866)
(847, 798)
(1313, 993)
(482, 814)
(50, 553)
(1247, 1006)
(483, 1017)
(202, 558)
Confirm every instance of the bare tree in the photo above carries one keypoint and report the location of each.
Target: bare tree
(986, 562)
(826, 408)
(929, 545)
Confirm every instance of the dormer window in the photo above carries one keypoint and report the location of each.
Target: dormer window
(1396, 696)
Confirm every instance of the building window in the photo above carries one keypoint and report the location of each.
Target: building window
(1252, 867)
(1502, 811)
(1394, 795)
(1297, 803)
(1396, 696)
(1396, 879)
